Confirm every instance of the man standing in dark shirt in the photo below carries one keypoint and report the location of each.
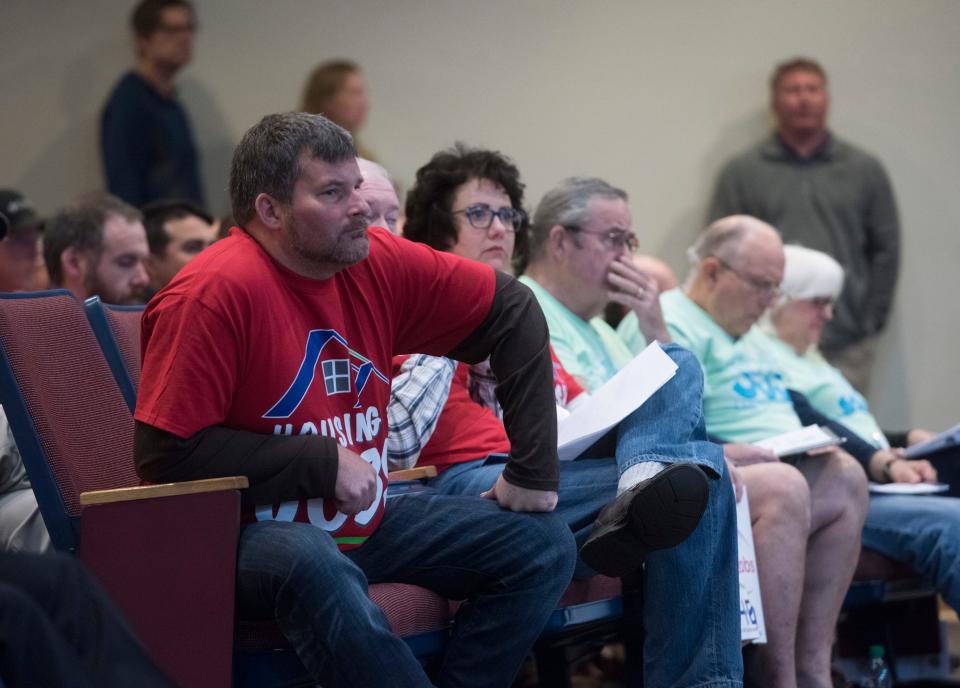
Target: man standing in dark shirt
(824, 193)
(145, 135)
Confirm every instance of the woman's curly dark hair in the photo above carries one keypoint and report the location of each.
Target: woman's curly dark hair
(428, 218)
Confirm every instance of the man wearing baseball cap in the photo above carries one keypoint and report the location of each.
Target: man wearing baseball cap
(21, 527)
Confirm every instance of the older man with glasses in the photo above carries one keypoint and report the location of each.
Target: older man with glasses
(580, 258)
(806, 520)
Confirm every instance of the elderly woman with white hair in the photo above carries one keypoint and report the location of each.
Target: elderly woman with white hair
(923, 532)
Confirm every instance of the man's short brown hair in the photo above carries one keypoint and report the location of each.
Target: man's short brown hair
(797, 64)
(148, 14)
(81, 224)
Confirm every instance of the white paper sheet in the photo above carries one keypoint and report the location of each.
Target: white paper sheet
(619, 397)
(947, 438)
(799, 441)
(908, 488)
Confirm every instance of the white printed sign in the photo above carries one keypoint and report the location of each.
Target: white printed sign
(752, 628)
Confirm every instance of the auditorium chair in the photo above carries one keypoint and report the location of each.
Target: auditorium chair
(166, 553)
(117, 329)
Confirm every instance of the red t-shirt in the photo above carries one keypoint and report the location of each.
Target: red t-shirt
(238, 340)
(467, 430)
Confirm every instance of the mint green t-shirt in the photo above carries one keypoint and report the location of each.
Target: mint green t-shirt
(590, 351)
(744, 396)
(827, 390)
(630, 334)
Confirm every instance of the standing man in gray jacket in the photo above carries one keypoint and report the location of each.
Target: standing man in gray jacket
(826, 194)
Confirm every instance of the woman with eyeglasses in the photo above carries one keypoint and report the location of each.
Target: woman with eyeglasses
(470, 202)
(921, 531)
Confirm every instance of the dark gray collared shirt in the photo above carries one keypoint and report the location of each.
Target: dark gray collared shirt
(839, 200)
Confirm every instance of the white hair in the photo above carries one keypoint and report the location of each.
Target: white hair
(369, 168)
(810, 274)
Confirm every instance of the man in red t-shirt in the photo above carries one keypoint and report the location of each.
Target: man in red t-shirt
(269, 356)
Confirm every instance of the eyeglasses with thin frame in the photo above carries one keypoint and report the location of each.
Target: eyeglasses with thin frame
(612, 239)
(480, 216)
(765, 288)
(822, 302)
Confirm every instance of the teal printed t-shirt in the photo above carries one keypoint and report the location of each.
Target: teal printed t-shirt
(827, 390)
(590, 351)
(744, 395)
(630, 334)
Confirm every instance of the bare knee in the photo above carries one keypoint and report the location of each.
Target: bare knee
(779, 495)
(841, 479)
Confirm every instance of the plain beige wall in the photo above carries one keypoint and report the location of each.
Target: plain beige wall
(651, 95)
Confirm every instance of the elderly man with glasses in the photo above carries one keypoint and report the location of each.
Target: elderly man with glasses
(580, 258)
(806, 519)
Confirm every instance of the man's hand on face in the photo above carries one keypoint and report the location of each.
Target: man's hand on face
(356, 482)
(747, 454)
(638, 291)
(515, 498)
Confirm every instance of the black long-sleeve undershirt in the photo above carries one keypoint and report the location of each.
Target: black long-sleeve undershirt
(280, 468)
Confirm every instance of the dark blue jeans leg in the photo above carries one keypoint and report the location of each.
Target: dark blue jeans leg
(669, 427)
(510, 568)
(691, 602)
(294, 572)
(586, 486)
(921, 531)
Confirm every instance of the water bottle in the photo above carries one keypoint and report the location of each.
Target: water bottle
(878, 673)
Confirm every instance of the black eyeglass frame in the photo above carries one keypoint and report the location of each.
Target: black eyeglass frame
(512, 219)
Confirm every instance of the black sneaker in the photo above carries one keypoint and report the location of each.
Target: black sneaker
(656, 513)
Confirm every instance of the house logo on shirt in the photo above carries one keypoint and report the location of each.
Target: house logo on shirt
(344, 372)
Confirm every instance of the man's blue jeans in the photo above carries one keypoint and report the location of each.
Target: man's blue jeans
(691, 592)
(511, 568)
(923, 532)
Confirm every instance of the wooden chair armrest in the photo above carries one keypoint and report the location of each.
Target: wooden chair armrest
(127, 494)
(417, 473)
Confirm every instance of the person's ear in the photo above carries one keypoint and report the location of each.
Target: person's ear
(269, 211)
(710, 269)
(559, 242)
(75, 265)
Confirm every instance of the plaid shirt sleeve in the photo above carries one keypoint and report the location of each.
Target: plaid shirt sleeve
(417, 396)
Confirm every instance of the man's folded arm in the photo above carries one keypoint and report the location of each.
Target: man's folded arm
(279, 467)
(514, 335)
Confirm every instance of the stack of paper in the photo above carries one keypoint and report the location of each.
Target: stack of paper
(908, 488)
(947, 438)
(619, 397)
(800, 441)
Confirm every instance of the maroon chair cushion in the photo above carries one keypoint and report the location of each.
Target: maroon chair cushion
(81, 419)
(875, 566)
(409, 609)
(590, 590)
(125, 326)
